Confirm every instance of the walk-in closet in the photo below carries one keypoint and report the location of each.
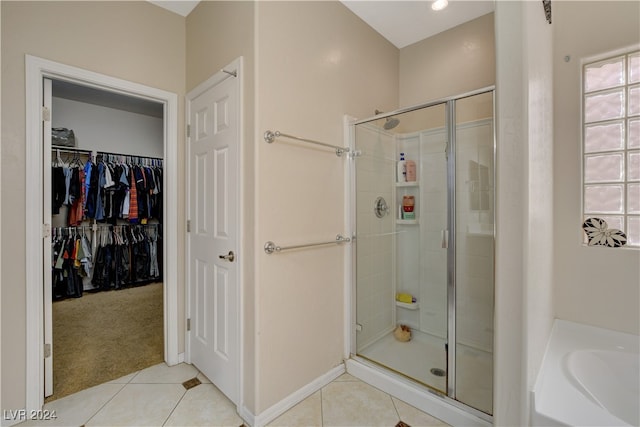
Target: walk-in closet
(106, 211)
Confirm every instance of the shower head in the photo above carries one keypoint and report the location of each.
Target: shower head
(390, 122)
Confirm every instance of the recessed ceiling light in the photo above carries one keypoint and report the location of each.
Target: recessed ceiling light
(439, 4)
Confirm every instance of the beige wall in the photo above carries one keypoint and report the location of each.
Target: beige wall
(539, 250)
(303, 70)
(510, 209)
(596, 286)
(439, 66)
(148, 47)
(315, 62)
(217, 33)
(524, 246)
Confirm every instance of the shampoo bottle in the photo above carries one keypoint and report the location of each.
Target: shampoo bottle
(411, 170)
(402, 169)
(408, 205)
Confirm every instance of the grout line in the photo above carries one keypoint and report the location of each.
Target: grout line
(396, 408)
(322, 407)
(134, 377)
(105, 404)
(175, 407)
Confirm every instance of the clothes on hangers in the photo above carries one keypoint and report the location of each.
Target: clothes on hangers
(111, 190)
(124, 190)
(67, 187)
(58, 189)
(71, 262)
(108, 190)
(126, 256)
(76, 191)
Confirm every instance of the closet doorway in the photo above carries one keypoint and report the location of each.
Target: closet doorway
(106, 205)
(155, 229)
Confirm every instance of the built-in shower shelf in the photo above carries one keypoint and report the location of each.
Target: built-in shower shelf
(407, 184)
(412, 306)
(485, 230)
(407, 221)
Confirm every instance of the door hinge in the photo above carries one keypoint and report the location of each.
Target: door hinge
(47, 350)
(46, 114)
(188, 131)
(358, 327)
(188, 324)
(46, 231)
(188, 226)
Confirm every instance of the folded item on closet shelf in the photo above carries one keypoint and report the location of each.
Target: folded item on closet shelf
(63, 136)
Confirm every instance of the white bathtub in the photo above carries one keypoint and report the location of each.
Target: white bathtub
(589, 377)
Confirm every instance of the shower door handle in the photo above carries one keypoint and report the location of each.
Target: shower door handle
(445, 239)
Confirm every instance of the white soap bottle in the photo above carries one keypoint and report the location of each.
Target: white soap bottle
(402, 169)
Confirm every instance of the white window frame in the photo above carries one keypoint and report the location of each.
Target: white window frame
(625, 150)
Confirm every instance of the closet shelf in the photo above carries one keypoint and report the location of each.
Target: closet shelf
(411, 306)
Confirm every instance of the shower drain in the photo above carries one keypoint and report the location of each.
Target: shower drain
(438, 372)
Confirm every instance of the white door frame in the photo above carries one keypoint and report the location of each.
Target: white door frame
(36, 70)
(236, 66)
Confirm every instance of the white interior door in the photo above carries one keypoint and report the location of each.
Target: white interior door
(213, 237)
(46, 242)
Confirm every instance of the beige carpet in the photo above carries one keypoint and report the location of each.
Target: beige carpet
(106, 335)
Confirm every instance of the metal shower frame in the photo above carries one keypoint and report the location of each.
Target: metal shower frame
(450, 125)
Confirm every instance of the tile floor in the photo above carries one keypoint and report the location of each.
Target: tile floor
(155, 397)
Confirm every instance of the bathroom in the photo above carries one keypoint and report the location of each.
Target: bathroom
(305, 73)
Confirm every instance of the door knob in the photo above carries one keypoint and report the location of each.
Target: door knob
(229, 257)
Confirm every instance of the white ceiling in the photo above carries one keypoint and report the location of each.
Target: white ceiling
(401, 22)
(181, 7)
(406, 22)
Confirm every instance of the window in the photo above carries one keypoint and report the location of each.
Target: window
(611, 143)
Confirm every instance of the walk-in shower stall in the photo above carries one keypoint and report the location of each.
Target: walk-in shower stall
(423, 227)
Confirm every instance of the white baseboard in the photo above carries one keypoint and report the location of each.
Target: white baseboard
(293, 399)
(180, 357)
(415, 395)
(247, 416)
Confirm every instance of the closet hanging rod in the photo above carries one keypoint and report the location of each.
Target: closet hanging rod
(129, 155)
(69, 149)
(271, 247)
(99, 225)
(270, 136)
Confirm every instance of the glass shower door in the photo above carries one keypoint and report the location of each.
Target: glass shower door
(474, 250)
(401, 252)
